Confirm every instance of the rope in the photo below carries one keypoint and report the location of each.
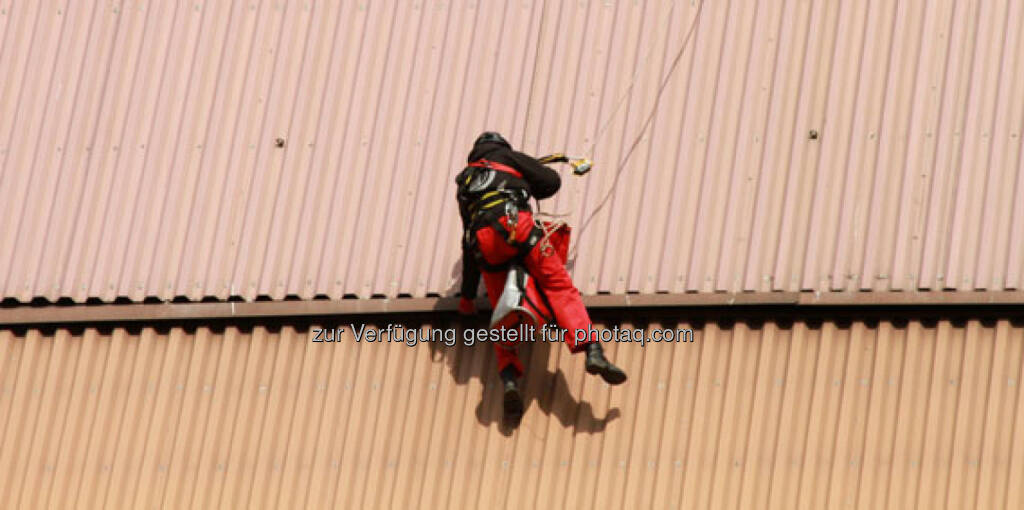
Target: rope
(632, 81)
(548, 227)
(558, 219)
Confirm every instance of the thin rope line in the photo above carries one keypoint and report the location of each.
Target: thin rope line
(618, 105)
(556, 220)
(632, 82)
(643, 129)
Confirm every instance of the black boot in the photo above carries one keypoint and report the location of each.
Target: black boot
(513, 399)
(598, 364)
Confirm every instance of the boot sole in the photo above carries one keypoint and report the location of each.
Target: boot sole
(610, 376)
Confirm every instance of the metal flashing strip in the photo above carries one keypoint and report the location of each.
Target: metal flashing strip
(58, 314)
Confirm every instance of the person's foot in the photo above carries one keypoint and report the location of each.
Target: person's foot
(513, 398)
(597, 364)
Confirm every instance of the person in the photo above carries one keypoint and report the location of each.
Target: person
(499, 229)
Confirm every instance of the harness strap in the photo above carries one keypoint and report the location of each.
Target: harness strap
(544, 299)
(524, 248)
(485, 202)
(494, 165)
(483, 213)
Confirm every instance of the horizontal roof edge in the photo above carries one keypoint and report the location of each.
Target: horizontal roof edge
(241, 310)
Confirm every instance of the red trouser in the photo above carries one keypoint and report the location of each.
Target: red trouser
(548, 271)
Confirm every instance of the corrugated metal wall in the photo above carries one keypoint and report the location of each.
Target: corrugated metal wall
(138, 151)
(915, 415)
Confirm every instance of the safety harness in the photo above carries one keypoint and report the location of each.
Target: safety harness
(486, 193)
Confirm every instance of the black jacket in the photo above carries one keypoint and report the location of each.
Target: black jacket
(540, 182)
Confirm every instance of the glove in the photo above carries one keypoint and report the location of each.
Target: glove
(466, 306)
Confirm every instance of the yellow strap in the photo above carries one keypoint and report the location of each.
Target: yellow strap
(557, 157)
(488, 205)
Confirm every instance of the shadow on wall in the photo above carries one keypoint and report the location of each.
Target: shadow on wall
(456, 274)
(543, 390)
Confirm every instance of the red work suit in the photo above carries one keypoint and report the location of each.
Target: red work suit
(548, 272)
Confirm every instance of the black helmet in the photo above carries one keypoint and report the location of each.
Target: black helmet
(491, 137)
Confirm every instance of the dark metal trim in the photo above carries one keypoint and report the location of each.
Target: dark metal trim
(57, 314)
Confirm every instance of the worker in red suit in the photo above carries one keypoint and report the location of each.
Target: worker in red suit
(493, 194)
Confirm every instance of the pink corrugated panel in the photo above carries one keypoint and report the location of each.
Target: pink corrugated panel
(218, 149)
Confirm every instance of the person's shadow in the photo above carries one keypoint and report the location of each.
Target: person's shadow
(542, 389)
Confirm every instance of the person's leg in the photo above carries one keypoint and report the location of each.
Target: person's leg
(496, 251)
(566, 303)
(504, 352)
(553, 279)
